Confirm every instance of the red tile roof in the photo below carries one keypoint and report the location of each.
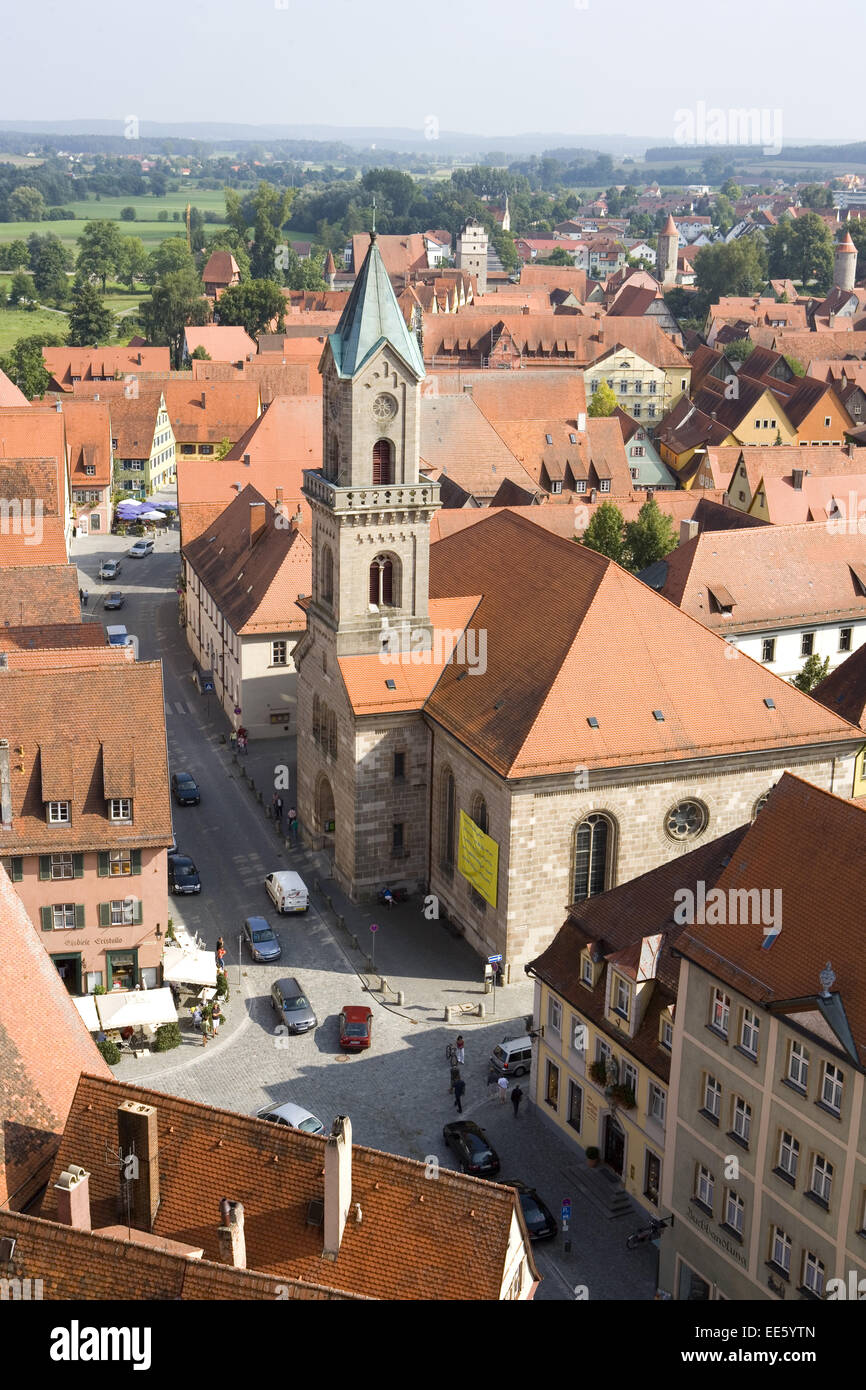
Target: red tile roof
(31, 594)
(64, 363)
(222, 342)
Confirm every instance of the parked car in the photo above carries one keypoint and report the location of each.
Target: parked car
(117, 635)
(513, 1056)
(356, 1027)
(109, 569)
(292, 1006)
(259, 937)
(287, 891)
(113, 600)
(140, 548)
(183, 875)
(295, 1116)
(538, 1217)
(472, 1148)
(185, 789)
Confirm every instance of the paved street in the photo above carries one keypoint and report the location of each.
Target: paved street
(397, 1094)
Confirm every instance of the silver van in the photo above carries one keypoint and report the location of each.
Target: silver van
(513, 1056)
(287, 890)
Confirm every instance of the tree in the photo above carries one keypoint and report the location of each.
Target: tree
(739, 349)
(26, 204)
(132, 261)
(162, 215)
(270, 209)
(25, 365)
(176, 301)
(171, 255)
(730, 268)
(603, 401)
(99, 248)
(224, 447)
(201, 353)
(252, 304)
(22, 290)
(650, 538)
(127, 214)
(228, 240)
(605, 533)
(813, 672)
(50, 261)
(558, 256)
(802, 249)
(14, 255)
(795, 364)
(89, 321)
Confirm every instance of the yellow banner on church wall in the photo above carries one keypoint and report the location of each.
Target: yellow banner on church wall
(478, 858)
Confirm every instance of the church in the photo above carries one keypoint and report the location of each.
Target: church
(506, 720)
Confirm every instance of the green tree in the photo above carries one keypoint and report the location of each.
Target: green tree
(26, 204)
(99, 248)
(735, 268)
(25, 365)
(813, 672)
(171, 255)
(228, 240)
(795, 364)
(802, 249)
(270, 208)
(224, 447)
(162, 215)
(127, 214)
(132, 261)
(605, 533)
(201, 353)
(603, 401)
(739, 349)
(650, 538)
(14, 255)
(558, 256)
(176, 301)
(50, 261)
(22, 290)
(731, 190)
(90, 323)
(252, 304)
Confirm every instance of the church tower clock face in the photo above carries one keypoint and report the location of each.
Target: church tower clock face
(384, 406)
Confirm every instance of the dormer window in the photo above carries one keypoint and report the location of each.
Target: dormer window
(586, 971)
(620, 997)
(58, 812)
(120, 808)
(90, 469)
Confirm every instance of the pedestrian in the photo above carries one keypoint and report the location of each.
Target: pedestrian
(216, 1017)
(388, 897)
(503, 1089)
(293, 824)
(221, 958)
(80, 595)
(242, 742)
(278, 810)
(459, 1090)
(233, 739)
(86, 598)
(196, 1018)
(461, 1051)
(220, 946)
(455, 1076)
(516, 1098)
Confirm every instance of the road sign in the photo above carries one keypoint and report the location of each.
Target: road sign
(566, 1208)
(493, 960)
(374, 926)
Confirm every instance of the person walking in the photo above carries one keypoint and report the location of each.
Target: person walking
(278, 810)
(502, 1083)
(516, 1098)
(293, 825)
(461, 1050)
(80, 595)
(459, 1091)
(216, 1017)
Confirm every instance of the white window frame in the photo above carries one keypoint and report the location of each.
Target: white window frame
(122, 912)
(835, 1077)
(813, 1272)
(666, 1037)
(67, 910)
(705, 1185)
(586, 971)
(121, 857)
(780, 1245)
(789, 1153)
(750, 1026)
(59, 812)
(741, 1119)
(279, 652)
(620, 989)
(120, 808)
(798, 1062)
(657, 1103)
(712, 1096)
(721, 1010)
(554, 1015)
(734, 1204)
(821, 1178)
(67, 863)
(628, 1075)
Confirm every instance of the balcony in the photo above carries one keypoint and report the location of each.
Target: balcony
(387, 497)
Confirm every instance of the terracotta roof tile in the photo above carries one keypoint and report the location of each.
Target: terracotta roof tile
(64, 363)
(222, 342)
(31, 594)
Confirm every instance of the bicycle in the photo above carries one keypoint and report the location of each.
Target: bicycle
(450, 1053)
(650, 1232)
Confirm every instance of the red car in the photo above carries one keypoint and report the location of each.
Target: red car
(356, 1026)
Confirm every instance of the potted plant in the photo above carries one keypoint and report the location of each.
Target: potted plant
(592, 1156)
(623, 1095)
(598, 1072)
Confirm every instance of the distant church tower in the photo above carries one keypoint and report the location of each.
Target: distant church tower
(371, 513)
(472, 253)
(330, 270)
(845, 262)
(666, 253)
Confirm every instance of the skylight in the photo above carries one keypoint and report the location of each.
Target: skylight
(771, 704)
(592, 722)
(658, 716)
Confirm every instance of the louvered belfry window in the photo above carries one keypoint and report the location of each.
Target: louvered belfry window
(383, 463)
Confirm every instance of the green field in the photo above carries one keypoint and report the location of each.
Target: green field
(24, 323)
(145, 226)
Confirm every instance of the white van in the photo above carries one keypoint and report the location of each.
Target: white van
(288, 891)
(513, 1056)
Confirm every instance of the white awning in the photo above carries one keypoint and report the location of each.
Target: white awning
(135, 1008)
(189, 968)
(86, 1006)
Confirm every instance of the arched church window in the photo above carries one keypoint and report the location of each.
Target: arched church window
(447, 818)
(479, 812)
(383, 591)
(383, 462)
(317, 718)
(592, 846)
(333, 461)
(327, 574)
(332, 733)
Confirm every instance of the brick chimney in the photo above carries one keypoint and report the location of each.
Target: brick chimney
(73, 1198)
(233, 1245)
(688, 531)
(279, 497)
(5, 784)
(246, 460)
(338, 1184)
(257, 521)
(797, 479)
(139, 1148)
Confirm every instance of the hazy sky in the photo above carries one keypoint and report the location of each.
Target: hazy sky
(483, 66)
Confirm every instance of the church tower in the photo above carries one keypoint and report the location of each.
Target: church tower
(667, 247)
(472, 253)
(845, 262)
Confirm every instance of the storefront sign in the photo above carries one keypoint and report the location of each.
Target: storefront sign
(703, 1225)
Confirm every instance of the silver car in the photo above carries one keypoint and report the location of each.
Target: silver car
(260, 939)
(292, 1006)
(295, 1116)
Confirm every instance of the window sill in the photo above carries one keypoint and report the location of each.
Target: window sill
(708, 1115)
(810, 1294)
(702, 1206)
(717, 1032)
(828, 1110)
(785, 1176)
(818, 1200)
(737, 1139)
(729, 1231)
(777, 1269)
(793, 1086)
(744, 1052)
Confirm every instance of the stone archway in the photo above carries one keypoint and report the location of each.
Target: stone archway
(325, 814)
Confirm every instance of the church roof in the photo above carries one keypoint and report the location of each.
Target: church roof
(371, 317)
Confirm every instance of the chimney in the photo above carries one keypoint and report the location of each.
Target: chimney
(140, 357)
(5, 784)
(73, 1198)
(203, 399)
(688, 531)
(338, 1184)
(279, 497)
(233, 1245)
(797, 479)
(257, 521)
(246, 460)
(139, 1149)
(581, 423)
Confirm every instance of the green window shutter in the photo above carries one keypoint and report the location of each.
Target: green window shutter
(44, 866)
(46, 915)
(137, 917)
(78, 866)
(103, 863)
(105, 914)
(135, 856)
(79, 915)
(16, 868)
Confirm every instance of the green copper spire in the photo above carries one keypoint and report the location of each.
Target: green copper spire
(372, 317)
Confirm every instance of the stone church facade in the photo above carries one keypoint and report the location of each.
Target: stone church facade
(388, 754)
